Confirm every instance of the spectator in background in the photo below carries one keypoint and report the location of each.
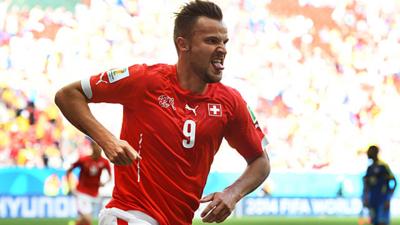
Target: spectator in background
(379, 185)
(91, 168)
(41, 46)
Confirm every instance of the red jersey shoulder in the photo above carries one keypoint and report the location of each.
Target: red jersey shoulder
(229, 97)
(150, 72)
(159, 69)
(230, 93)
(136, 71)
(83, 159)
(150, 75)
(235, 94)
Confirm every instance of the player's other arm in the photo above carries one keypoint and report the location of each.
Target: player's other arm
(74, 105)
(256, 172)
(394, 184)
(244, 134)
(223, 203)
(68, 176)
(390, 179)
(108, 169)
(391, 183)
(105, 182)
(69, 171)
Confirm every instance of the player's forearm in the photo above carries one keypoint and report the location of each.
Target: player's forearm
(72, 103)
(256, 172)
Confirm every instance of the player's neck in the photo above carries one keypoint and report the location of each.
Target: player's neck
(189, 81)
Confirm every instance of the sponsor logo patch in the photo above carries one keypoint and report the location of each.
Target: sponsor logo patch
(117, 74)
(264, 143)
(253, 116)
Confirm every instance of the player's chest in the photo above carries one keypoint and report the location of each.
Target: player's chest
(377, 170)
(182, 108)
(93, 168)
(171, 112)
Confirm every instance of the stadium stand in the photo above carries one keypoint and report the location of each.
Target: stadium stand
(323, 78)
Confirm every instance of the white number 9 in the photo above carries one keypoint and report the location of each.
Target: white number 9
(189, 130)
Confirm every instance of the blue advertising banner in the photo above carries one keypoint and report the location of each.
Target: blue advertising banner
(52, 182)
(270, 206)
(37, 207)
(32, 181)
(65, 207)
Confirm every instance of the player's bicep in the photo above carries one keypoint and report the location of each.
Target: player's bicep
(69, 94)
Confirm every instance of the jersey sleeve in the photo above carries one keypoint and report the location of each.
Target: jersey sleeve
(114, 86)
(243, 131)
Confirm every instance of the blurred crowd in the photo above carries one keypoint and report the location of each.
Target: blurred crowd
(322, 76)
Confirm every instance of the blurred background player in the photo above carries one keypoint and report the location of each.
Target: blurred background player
(89, 182)
(379, 185)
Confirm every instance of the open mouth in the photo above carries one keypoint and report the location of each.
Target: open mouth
(218, 64)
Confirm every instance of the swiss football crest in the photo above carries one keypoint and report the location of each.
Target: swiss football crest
(166, 101)
(93, 170)
(214, 109)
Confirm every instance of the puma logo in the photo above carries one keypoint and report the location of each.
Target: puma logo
(192, 109)
(101, 79)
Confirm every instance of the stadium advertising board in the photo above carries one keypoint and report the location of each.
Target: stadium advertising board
(64, 206)
(270, 206)
(37, 207)
(41, 193)
(43, 206)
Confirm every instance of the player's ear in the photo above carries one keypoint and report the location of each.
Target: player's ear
(182, 44)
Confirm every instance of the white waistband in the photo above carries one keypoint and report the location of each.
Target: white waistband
(131, 215)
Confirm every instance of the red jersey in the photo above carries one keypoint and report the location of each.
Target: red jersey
(181, 132)
(89, 176)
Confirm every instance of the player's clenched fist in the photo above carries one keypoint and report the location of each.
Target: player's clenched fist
(220, 207)
(121, 153)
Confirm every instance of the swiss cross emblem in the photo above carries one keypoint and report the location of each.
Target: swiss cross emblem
(214, 109)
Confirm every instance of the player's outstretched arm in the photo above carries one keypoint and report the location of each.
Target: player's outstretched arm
(74, 106)
(68, 177)
(223, 203)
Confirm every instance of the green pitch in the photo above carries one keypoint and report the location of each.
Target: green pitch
(233, 221)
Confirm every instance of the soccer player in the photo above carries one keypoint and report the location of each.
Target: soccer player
(174, 120)
(379, 185)
(91, 168)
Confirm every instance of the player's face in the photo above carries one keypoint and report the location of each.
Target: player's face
(207, 50)
(372, 154)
